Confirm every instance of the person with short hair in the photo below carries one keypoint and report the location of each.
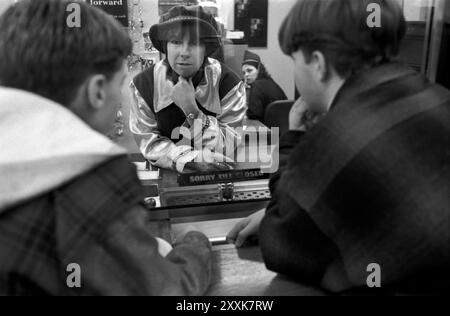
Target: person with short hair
(187, 90)
(72, 214)
(361, 196)
(262, 90)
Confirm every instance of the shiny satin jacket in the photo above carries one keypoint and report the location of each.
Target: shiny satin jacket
(220, 96)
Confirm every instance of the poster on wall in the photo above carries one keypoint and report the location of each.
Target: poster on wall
(117, 8)
(250, 17)
(166, 5)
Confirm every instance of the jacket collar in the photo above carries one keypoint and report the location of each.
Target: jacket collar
(368, 79)
(206, 83)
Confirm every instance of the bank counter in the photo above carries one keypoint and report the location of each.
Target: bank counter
(214, 202)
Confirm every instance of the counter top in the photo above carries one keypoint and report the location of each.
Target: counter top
(238, 272)
(241, 272)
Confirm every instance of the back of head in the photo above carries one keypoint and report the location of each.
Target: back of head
(43, 54)
(340, 30)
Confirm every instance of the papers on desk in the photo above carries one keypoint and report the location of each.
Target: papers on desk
(164, 248)
(217, 241)
(235, 35)
(140, 166)
(144, 174)
(148, 175)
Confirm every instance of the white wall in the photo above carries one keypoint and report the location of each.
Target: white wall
(278, 64)
(149, 13)
(4, 4)
(416, 10)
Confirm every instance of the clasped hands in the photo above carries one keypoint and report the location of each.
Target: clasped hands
(183, 95)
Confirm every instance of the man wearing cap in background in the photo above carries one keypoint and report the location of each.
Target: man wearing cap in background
(262, 90)
(69, 197)
(187, 89)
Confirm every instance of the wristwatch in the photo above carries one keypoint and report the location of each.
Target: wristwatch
(191, 117)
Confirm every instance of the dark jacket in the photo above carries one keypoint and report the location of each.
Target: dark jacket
(368, 184)
(262, 93)
(98, 222)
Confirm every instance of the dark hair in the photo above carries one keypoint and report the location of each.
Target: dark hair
(180, 30)
(40, 53)
(263, 73)
(338, 28)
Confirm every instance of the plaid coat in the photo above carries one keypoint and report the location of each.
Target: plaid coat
(96, 221)
(368, 184)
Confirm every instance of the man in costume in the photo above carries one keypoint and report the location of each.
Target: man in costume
(190, 91)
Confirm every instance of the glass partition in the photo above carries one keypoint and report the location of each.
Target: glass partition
(242, 28)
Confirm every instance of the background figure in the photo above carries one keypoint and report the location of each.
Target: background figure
(261, 88)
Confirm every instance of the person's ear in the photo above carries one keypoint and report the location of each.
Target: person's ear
(320, 66)
(96, 92)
